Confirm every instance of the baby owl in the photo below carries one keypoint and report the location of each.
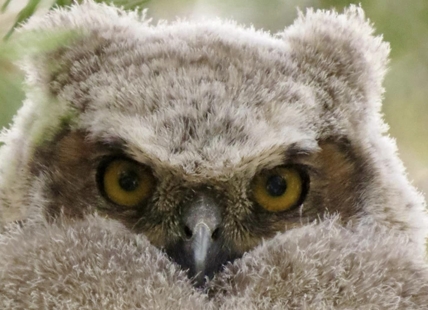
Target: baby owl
(207, 137)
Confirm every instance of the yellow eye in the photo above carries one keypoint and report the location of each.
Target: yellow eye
(279, 189)
(127, 183)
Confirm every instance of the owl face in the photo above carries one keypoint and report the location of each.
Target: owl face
(201, 222)
(207, 137)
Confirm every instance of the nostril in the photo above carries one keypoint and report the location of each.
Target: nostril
(188, 232)
(215, 234)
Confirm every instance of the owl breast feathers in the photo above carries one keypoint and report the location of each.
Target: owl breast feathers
(205, 139)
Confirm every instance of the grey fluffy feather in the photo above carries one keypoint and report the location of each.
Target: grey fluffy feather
(327, 67)
(98, 264)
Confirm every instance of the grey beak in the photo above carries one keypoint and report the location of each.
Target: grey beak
(201, 243)
(201, 219)
(202, 250)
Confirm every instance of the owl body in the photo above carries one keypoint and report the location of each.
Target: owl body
(206, 107)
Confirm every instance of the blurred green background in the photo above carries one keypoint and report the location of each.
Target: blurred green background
(403, 23)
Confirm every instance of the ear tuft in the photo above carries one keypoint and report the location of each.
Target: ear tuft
(341, 56)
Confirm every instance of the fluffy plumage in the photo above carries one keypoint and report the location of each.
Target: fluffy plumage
(207, 107)
(97, 263)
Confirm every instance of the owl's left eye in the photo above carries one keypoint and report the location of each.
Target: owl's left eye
(126, 182)
(280, 189)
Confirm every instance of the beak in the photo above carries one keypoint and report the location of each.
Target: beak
(201, 243)
(202, 249)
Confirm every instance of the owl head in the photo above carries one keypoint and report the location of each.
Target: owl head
(207, 137)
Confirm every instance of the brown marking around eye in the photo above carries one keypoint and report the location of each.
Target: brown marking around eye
(68, 164)
(345, 177)
(336, 187)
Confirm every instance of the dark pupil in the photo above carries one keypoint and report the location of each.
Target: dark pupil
(129, 180)
(276, 185)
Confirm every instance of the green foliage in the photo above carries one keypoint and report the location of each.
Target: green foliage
(23, 15)
(29, 44)
(11, 93)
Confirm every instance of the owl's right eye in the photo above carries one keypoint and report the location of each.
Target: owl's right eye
(126, 182)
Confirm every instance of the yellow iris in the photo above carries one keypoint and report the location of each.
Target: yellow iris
(279, 189)
(127, 183)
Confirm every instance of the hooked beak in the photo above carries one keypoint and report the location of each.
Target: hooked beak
(201, 243)
(202, 250)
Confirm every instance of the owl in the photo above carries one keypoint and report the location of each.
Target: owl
(206, 137)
